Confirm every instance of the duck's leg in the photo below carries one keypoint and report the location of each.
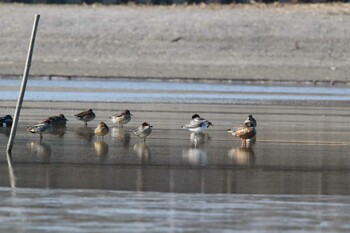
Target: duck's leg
(244, 142)
(85, 123)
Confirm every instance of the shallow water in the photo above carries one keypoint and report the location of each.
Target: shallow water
(47, 210)
(172, 162)
(294, 178)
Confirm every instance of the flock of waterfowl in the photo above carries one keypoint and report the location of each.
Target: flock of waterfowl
(245, 132)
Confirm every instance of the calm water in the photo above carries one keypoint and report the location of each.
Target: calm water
(295, 178)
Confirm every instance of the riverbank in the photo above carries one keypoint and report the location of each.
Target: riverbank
(248, 43)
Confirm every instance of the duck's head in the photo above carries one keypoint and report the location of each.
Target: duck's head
(127, 112)
(195, 116)
(145, 125)
(63, 117)
(251, 118)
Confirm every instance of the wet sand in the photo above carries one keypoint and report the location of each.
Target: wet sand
(255, 43)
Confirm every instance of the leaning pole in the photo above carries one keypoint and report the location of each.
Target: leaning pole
(24, 84)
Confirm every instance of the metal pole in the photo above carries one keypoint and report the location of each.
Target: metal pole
(24, 84)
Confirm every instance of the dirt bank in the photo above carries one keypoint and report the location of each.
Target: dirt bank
(239, 42)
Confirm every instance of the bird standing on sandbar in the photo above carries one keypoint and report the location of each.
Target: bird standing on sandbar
(143, 130)
(101, 130)
(121, 118)
(197, 124)
(86, 116)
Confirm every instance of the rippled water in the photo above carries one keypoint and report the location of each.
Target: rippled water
(294, 178)
(38, 210)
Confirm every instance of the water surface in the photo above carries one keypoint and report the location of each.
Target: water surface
(294, 178)
(173, 92)
(38, 210)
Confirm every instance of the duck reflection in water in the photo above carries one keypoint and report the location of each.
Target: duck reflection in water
(86, 133)
(58, 131)
(6, 131)
(143, 152)
(121, 136)
(101, 148)
(196, 154)
(242, 156)
(41, 149)
(198, 139)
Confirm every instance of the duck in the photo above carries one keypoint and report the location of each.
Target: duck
(6, 121)
(40, 128)
(57, 121)
(143, 130)
(197, 124)
(245, 132)
(121, 118)
(101, 130)
(86, 116)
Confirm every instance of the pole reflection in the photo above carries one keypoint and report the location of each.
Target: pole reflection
(12, 177)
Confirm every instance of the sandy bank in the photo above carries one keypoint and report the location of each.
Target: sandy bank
(250, 42)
